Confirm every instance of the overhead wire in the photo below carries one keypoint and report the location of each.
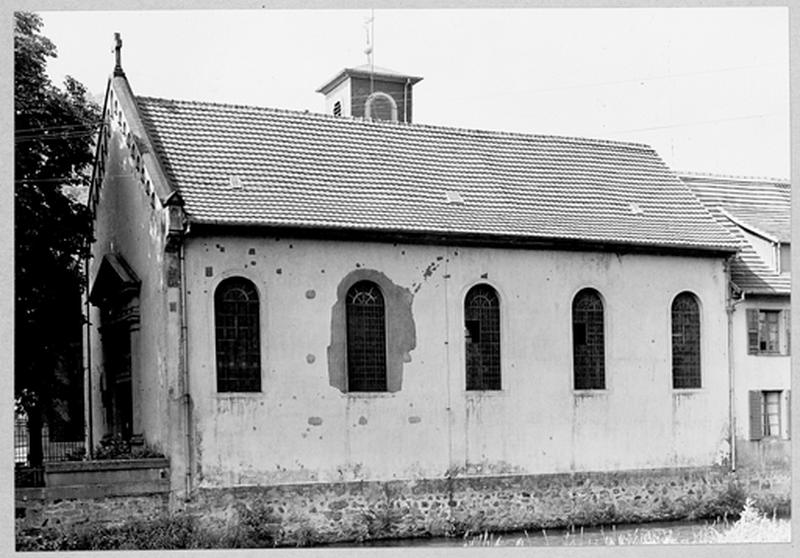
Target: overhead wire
(42, 128)
(60, 135)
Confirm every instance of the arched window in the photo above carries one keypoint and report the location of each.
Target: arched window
(236, 317)
(366, 338)
(685, 342)
(380, 106)
(588, 344)
(482, 338)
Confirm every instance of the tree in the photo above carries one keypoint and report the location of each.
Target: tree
(53, 138)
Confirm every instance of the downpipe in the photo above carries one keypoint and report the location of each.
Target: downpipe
(730, 308)
(186, 395)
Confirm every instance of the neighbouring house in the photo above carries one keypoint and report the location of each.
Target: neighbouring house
(310, 304)
(757, 211)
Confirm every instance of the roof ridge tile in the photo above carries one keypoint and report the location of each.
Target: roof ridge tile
(411, 125)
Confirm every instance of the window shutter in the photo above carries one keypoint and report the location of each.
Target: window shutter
(752, 331)
(787, 324)
(756, 415)
(789, 414)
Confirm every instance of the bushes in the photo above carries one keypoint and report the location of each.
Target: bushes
(180, 531)
(115, 447)
(727, 503)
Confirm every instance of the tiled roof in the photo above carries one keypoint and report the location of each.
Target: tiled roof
(758, 204)
(318, 171)
(764, 204)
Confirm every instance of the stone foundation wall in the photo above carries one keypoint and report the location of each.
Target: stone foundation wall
(34, 510)
(435, 507)
(97, 492)
(351, 511)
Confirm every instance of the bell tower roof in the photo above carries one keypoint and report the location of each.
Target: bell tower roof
(365, 71)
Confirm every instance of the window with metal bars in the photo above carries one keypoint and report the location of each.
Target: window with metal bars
(238, 344)
(482, 338)
(588, 343)
(366, 338)
(685, 342)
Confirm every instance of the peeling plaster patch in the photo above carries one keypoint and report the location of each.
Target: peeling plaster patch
(279, 271)
(314, 421)
(362, 420)
(433, 266)
(311, 293)
(484, 275)
(414, 420)
(401, 336)
(310, 358)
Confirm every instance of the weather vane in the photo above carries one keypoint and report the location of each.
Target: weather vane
(369, 27)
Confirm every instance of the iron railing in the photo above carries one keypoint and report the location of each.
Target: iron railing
(58, 444)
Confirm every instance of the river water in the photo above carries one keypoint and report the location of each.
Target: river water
(674, 532)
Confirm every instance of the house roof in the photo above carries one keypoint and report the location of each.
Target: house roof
(761, 206)
(238, 165)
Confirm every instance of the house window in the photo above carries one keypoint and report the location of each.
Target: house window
(337, 108)
(588, 344)
(366, 338)
(685, 342)
(482, 338)
(238, 344)
(768, 331)
(769, 414)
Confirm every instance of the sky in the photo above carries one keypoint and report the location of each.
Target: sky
(708, 88)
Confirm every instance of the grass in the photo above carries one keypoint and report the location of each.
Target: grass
(161, 533)
(753, 526)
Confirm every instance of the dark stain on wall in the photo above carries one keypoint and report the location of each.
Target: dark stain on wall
(401, 334)
(433, 266)
(173, 270)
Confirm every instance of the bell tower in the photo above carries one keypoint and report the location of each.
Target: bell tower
(370, 91)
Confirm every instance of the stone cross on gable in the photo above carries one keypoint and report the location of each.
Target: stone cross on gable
(118, 55)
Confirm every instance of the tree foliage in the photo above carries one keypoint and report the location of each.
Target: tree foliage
(53, 137)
